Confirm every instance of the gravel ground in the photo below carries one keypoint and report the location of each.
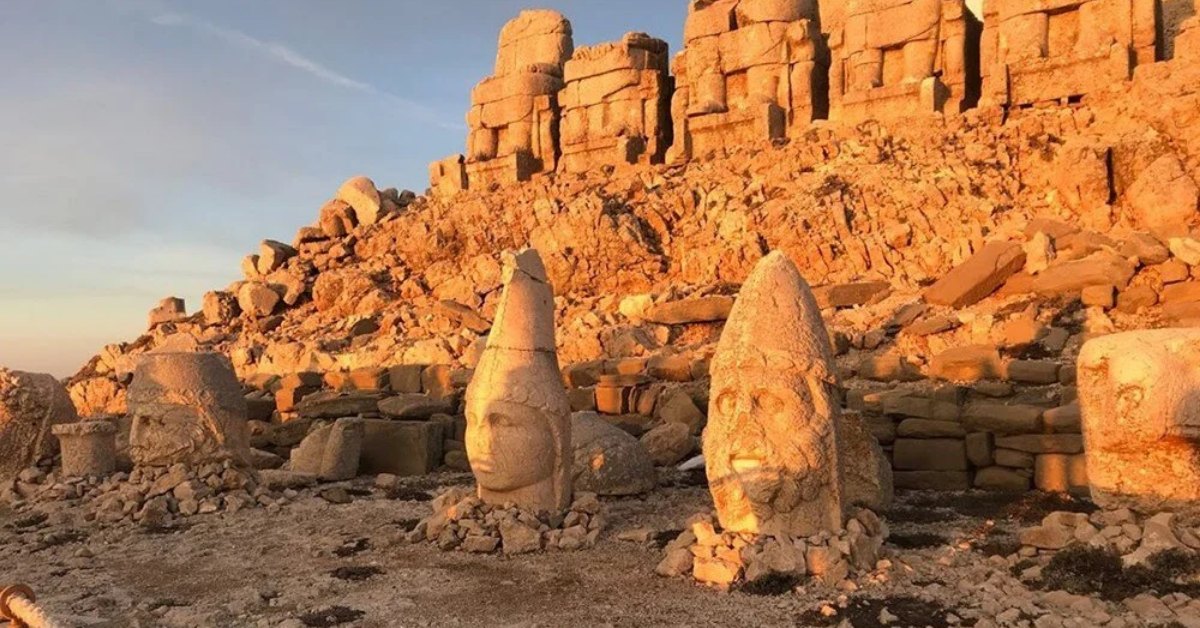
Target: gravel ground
(313, 563)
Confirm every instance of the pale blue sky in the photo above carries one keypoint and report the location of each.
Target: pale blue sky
(146, 146)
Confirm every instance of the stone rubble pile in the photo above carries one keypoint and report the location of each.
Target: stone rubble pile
(726, 559)
(463, 522)
(153, 497)
(1136, 538)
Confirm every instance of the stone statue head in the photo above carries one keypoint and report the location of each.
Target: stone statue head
(771, 443)
(187, 408)
(518, 417)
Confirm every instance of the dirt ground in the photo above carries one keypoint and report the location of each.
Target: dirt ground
(313, 563)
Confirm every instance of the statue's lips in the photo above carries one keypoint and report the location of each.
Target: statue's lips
(743, 464)
(482, 466)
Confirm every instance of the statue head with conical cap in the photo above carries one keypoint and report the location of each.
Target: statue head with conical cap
(518, 417)
(770, 447)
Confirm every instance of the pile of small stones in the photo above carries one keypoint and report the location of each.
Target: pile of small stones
(151, 496)
(1135, 538)
(463, 522)
(724, 559)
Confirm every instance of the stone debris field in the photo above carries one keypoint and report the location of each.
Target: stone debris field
(852, 313)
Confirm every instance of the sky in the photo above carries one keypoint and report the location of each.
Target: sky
(146, 146)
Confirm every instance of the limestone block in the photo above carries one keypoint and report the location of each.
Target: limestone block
(168, 310)
(771, 446)
(938, 454)
(402, 448)
(868, 473)
(1165, 198)
(30, 406)
(933, 480)
(979, 276)
(220, 308)
(607, 460)
(707, 19)
(89, 448)
(343, 450)
(448, 176)
(187, 408)
(1141, 421)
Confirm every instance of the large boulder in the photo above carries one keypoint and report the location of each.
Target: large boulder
(187, 408)
(608, 461)
(361, 194)
(30, 405)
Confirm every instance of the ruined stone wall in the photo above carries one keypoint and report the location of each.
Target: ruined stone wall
(616, 104)
(1053, 50)
(899, 59)
(759, 71)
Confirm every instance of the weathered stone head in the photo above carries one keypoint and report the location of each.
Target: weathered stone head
(771, 446)
(518, 417)
(1140, 397)
(187, 408)
(30, 405)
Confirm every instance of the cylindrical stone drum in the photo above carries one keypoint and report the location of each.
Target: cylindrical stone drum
(89, 448)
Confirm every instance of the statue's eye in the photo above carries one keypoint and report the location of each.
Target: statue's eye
(727, 403)
(768, 402)
(500, 420)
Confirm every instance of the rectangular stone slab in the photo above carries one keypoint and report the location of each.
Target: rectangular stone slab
(403, 448)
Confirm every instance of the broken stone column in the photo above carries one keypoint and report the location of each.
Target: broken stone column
(898, 59)
(30, 406)
(187, 408)
(1140, 397)
(518, 416)
(771, 446)
(1063, 49)
(89, 448)
(752, 71)
(616, 106)
(515, 113)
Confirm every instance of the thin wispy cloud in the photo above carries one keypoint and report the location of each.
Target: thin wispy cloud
(289, 56)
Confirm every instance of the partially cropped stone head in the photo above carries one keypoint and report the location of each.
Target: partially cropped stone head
(30, 406)
(771, 443)
(1140, 397)
(187, 408)
(536, 40)
(518, 417)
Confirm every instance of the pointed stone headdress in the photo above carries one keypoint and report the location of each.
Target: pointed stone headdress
(776, 323)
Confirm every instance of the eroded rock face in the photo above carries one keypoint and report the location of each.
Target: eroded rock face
(30, 405)
(1140, 397)
(771, 447)
(518, 416)
(187, 408)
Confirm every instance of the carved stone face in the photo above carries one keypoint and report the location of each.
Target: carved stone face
(770, 440)
(771, 446)
(510, 446)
